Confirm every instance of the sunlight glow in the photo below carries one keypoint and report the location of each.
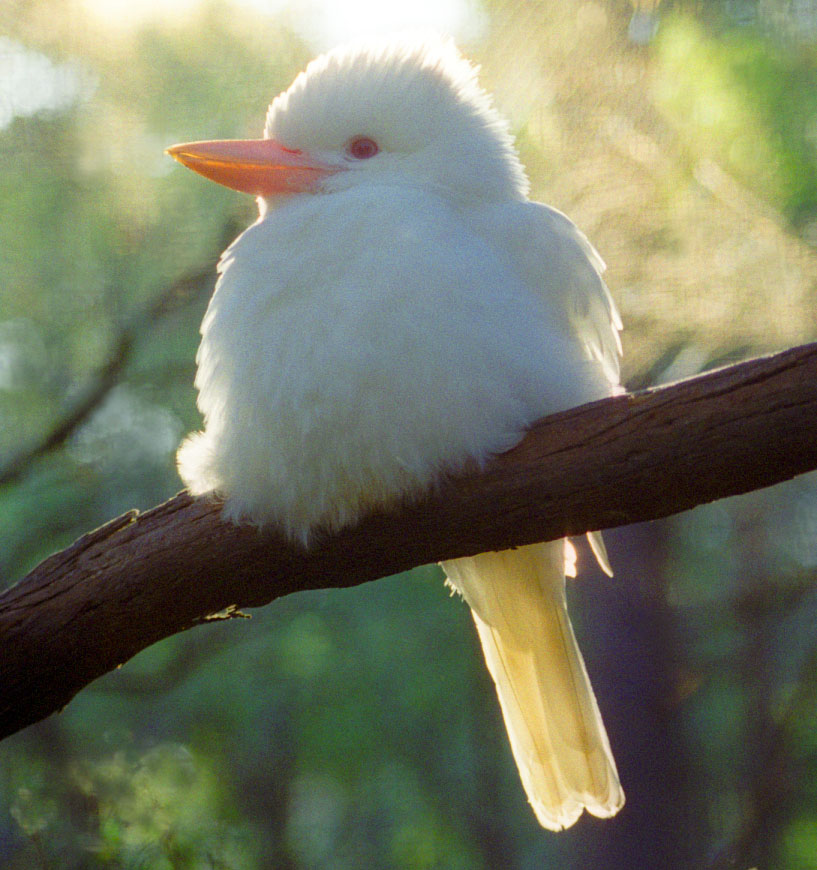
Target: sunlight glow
(125, 14)
(322, 22)
(326, 23)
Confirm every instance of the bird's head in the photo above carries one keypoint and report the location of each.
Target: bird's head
(406, 111)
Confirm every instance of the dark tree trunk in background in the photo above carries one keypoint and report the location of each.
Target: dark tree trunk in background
(765, 757)
(628, 636)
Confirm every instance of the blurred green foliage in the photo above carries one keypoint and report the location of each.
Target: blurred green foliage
(358, 728)
(753, 100)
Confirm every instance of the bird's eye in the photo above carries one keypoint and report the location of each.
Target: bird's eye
(362, 148)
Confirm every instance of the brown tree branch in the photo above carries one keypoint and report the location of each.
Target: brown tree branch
(143, 577)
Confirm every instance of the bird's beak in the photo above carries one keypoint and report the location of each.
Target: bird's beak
(261, 167)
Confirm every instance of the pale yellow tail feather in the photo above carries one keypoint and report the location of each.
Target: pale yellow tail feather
(553, 722)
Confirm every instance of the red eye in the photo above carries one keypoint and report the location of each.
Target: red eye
(362, 148)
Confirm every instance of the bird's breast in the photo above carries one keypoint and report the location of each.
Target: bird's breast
(356, 347)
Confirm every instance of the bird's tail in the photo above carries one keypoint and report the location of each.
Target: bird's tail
(558, 739)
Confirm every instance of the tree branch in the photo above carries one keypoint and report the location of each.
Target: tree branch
(92, 395)
(143, 577)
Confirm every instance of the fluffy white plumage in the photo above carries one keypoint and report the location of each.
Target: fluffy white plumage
(411, 312)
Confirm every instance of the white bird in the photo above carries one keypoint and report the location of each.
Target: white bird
(400, 308)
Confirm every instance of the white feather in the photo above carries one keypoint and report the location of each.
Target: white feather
(415, 314)
(341, 372)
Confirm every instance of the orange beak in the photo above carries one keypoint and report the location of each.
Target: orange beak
(261, 167)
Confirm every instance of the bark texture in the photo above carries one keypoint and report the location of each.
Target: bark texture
(143, 577)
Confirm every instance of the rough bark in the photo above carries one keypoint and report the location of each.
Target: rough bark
(143, 577)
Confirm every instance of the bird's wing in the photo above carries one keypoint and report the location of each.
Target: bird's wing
(553, 257)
